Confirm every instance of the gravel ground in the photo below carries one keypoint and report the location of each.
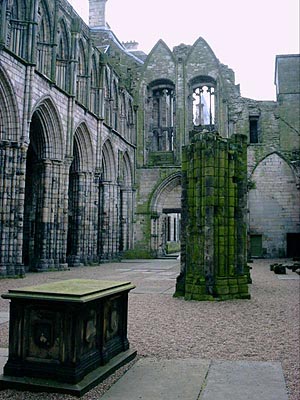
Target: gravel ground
(265, 328)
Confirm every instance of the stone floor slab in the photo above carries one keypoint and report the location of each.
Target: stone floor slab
(244, 380)
(151, 379)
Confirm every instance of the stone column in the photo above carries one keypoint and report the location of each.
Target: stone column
(213, 236)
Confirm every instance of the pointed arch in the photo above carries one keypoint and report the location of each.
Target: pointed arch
(83, 150)
(163, 190)
(274, 204)
(108, 162)
(165, 209)
(44, 35)
(62, 55)
(9, 121)
(126, 176)
(18, 28)
(81, 73)
(49, 141)
(115, 104)
(94, 90)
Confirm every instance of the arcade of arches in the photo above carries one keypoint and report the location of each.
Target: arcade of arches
(91, 138)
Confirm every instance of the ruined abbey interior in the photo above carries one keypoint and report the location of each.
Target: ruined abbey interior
(91, 137)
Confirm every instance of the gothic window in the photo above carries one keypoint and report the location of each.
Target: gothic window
(43, 41)
(106, 97)
(124, 124)
(94, 87)
(203, 97)
(253, 128)
(130, 120)
(18, 28)
(62, 57)
(81, 75)
(161, 116)
(115, 105)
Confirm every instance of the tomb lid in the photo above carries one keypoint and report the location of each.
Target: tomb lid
(72, 290)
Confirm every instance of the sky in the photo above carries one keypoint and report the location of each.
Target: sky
(245, 35)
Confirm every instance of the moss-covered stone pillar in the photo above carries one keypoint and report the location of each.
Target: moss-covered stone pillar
(213, 242)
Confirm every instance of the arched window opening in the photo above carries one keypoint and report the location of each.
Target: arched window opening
(204, 106)
(94, 98)
(62, 58)
(81, 75)
(106, 97)
(18, 28)
(115, 105)
(43, 62)
(161, 116)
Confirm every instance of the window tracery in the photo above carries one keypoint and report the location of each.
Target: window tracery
(204, 103)
(161, 117)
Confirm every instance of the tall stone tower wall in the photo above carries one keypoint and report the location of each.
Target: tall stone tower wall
(214, 189)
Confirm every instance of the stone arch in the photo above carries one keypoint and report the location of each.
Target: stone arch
(108, 169)
(44, 227)
(108, 221)
(9, 121)
(126, 204)
(44, 38)
(62, 55)
(18, 28)
(94, 91)
(50, 144)
(274, 205)
(82, 73)
(12, 171)
(83, 147)
(160, 117)
(81, 248)
(165, 208)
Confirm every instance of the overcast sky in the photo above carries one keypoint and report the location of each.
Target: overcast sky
(245, 35)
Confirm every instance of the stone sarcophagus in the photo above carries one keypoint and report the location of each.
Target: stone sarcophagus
(66, 336)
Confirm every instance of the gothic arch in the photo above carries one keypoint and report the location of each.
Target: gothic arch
(162, 191)
(44, 38)
(9, 121)
(126, 204)
(18, 28)
(165, 208)
(94, 97)
(280, 156)
(108, 162)
(62, 55)
(274, 204)
(126, 171)
(51, 141)
(81, 73)
(83, 146)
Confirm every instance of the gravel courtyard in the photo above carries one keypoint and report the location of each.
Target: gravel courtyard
(265, 328)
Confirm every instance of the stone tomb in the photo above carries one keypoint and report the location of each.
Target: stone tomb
(66, 336)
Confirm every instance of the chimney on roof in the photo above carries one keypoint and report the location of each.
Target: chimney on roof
(97, 13)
